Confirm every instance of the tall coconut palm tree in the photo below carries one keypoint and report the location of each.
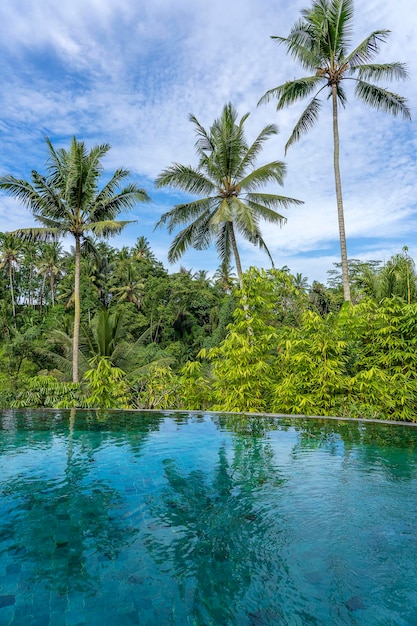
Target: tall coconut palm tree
(50, 265)
(320, 42)
(301, 282)
(9, 261)
(225, 177)
(68, 201)
(142, 249)
(130, 287)
(398, 277)
(31, 254)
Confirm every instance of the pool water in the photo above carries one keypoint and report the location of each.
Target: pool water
(160, 518)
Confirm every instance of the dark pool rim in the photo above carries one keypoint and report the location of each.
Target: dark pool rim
(278, 416)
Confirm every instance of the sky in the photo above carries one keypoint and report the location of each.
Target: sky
(129, 73)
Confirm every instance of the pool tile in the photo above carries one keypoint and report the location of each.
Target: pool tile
(7, 614)
(115, 533)
(7, 600)
(75, 618)
(57, 618)
(39, 620)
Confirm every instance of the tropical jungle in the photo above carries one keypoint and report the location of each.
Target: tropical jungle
(91, 325)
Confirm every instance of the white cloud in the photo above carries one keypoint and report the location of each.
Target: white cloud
(130, 73)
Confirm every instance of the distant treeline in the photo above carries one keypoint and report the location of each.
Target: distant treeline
(151, 339)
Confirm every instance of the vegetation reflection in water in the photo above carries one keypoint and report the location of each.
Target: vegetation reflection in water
(166, 518)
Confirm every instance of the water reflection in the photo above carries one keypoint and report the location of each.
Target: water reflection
(226, 540)
(219, 519)
(390, 447)
(60, 515)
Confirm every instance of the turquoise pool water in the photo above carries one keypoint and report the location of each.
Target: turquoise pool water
(158, 519)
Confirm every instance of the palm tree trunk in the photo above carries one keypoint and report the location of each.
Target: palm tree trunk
(30, 284)
(240, 276)
(11, 289)
(236, 254)
(339, 199)
(41, 292)
(52, 282)
(77, 311)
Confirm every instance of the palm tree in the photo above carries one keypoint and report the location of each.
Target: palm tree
(319, 41)
(225, 277)
(142, 249)
(231, 200)
(30, 259)
(202, 277)
(9, 261)
(49, 265)
(68, 200)
(99, 269)
(301, 282)
(105, 336)
(130, 287)
(398, 277)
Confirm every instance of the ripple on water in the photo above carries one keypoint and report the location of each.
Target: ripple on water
(152, 518)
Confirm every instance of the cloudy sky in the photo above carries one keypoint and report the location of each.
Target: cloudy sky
(130, 72)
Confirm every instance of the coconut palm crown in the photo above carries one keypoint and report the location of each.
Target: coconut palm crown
(320, 41)
(67, 200)
(230, 185)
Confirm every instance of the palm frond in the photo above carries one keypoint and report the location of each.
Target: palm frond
(22, 191)
(55, 163)
(254, 236)
(197, 235)
(49, 222)
(83, 170)
(106, 228)
(379, 71)
(245, 219)
(112, 186)
(183, 213)
(38, 234)
(270, 172)
(88, 342)
(341, 95)
(223, 244)
(264, 212)
(89, 248)
(381, 99)
(50, 203)
(204, 232)
(301, 45)
(204, 143)
(252, 153)
(339, 19)
(367, 49)
(110, 207)
(181, 242)
(292, 91)
(229, 146)
(270, 200)
(185, 178)
(306, 121)
(223, 212)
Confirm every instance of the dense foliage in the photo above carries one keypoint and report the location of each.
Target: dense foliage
(150, 339)
(106, 328)
(68, 200)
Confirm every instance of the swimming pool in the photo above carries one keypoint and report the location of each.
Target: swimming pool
(162, 518)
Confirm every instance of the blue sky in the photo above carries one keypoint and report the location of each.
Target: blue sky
(129, 73)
